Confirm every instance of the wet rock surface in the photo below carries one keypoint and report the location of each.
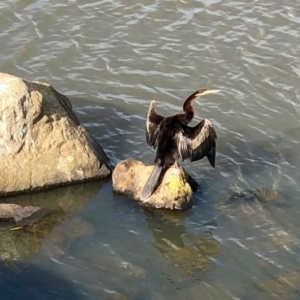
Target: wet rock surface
(174, 190)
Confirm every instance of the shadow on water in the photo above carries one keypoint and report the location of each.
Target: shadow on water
(59, 204)
(69, 198)
(192, 252)
(22, 281)
(249, 165)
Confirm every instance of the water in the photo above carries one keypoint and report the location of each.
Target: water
(111, 58)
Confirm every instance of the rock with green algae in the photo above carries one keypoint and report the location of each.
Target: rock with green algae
(174, 190)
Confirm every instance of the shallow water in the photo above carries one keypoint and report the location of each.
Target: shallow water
(241, 238)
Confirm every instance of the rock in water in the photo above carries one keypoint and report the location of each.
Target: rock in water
(174, 191)
(20, 215)
(42, 143)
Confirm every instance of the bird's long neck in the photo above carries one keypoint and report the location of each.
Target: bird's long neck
(189, 110)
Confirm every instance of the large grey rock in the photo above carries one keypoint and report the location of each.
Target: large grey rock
(42, 143)
(174, 191)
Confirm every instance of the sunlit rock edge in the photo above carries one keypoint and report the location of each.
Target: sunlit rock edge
(42, 143)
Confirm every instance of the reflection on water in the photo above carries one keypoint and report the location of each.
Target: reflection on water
(285, 286)
(68, 199)
(193, 253)
(15, 244)
(59, 204)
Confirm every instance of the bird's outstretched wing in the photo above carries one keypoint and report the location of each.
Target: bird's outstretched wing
(196, 142)
(152, 125)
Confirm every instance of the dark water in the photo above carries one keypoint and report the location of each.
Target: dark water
(241, 238)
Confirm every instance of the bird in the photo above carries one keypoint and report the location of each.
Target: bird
(173, 139)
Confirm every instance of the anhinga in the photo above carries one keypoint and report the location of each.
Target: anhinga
(173, 139)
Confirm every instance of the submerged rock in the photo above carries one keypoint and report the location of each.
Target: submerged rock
(280, 286)
(54, 227)
(60, 240)
(262, 196)
(174, 191)
(19, 242)
(42, 143)
(19, 214)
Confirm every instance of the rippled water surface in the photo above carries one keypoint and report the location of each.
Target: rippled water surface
(111, 58)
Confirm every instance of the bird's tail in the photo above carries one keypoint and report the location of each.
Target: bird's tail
(151, 183)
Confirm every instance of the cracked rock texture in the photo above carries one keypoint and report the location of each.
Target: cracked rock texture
(42, 143)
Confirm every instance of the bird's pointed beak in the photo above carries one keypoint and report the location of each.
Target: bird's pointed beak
(210, 92)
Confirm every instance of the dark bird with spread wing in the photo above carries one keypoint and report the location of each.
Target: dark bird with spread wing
(174, 140)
